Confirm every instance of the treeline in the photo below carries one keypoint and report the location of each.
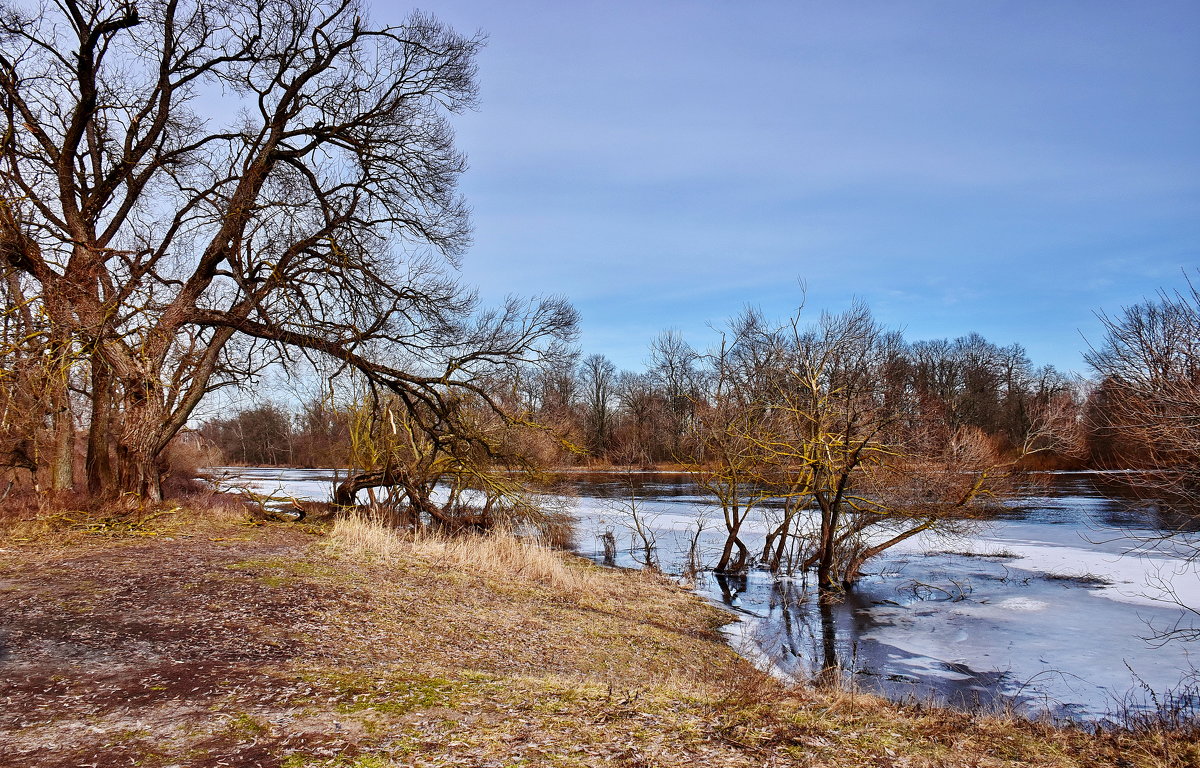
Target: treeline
(269, 434)
(617, 417)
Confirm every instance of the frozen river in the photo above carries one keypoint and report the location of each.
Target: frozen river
(1058, 606)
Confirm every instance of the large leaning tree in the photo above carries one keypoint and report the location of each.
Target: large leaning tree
(192, 189)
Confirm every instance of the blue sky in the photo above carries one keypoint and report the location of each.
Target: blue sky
(1000, 167)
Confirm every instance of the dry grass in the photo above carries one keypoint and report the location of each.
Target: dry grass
(265, 645)
(69, 520)
(498, 554)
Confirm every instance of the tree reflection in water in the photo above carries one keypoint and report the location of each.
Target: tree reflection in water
(731, 584)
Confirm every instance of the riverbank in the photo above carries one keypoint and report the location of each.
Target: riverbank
(202, 639)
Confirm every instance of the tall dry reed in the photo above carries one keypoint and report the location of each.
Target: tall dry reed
(498, 553)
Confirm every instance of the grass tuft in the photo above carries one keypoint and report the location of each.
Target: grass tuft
(499, 553)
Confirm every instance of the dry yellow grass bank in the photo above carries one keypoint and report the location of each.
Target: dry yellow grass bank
(192, 642)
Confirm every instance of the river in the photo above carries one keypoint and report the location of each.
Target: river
(1058, 606)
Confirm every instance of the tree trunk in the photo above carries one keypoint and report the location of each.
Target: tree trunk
(743, 557)
(346, 494)
(99, 466)
(769, 545)
(827, 583)
(826, 580)
(732, 541)
(780, 548)
(63, 475)
(727, 563)
(124, 458)
(141, 476)
(776, 543)
(58, 362)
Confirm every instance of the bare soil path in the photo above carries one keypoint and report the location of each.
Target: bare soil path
(112, 652)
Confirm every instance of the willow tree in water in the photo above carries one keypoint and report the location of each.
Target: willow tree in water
(194, 189)
(815, 420)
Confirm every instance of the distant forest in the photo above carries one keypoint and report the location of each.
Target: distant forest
(594, 414)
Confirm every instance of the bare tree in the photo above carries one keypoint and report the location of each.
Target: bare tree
(820, 420)
(1146, 412)
(673, 369)
(631, 514)
(311, 211)
(598, 378)
(467, 470)
(643, 418)
(1149, 362)
(556, 393)
(728, 419)
(727, 464)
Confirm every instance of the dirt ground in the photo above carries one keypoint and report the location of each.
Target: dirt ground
(116, 653)
(259, 645)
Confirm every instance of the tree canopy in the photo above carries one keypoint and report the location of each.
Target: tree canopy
(194, 190)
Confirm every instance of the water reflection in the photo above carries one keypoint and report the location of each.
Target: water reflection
(830, 668)
(731, 585)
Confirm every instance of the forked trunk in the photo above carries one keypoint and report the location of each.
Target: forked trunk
(124, 452)
(727, 563)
